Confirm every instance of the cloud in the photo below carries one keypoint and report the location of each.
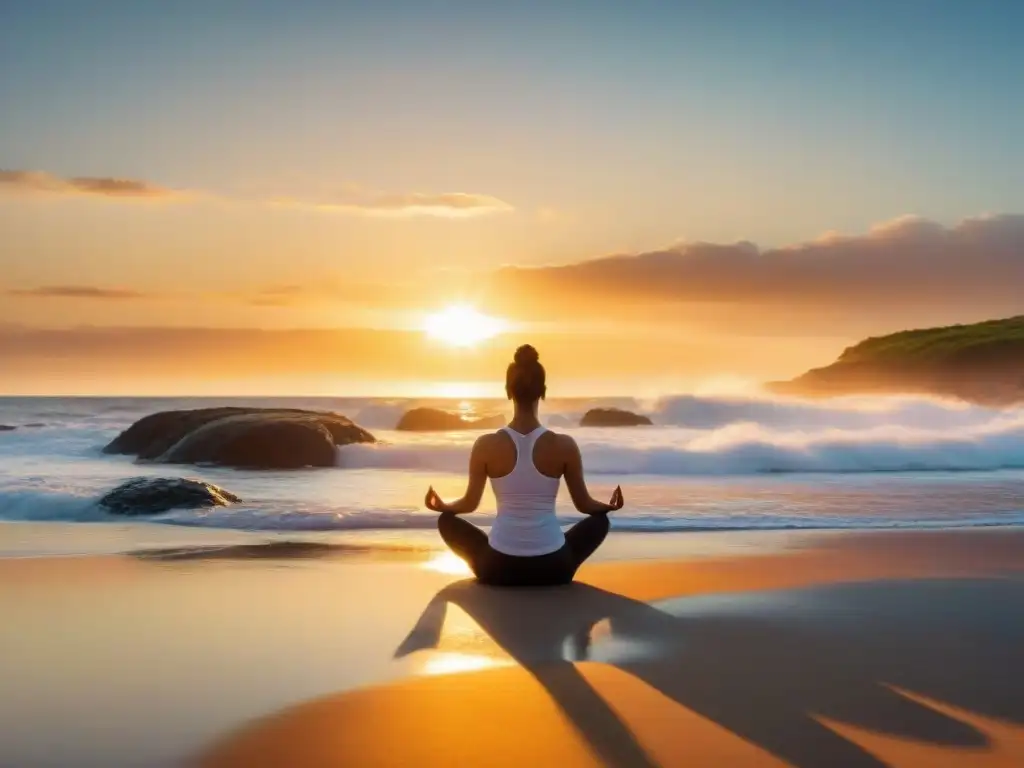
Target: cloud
(276, 296)
(328, 290)
(907, 272)
(908, 260)
(41, 183)
(354, 200)
(442, 205)
(78, 292)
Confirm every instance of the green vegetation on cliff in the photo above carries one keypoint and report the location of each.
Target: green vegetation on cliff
(943, 345)
(982, 362)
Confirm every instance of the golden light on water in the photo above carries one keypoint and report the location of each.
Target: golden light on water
(462, 326)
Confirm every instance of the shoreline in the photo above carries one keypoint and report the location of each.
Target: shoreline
(54, 539)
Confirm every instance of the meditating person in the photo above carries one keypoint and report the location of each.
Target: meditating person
(525, 462)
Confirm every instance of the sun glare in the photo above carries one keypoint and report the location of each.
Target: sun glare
(448, 562)
(462, 326)
(447, 663)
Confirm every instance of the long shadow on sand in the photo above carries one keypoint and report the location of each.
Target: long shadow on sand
(763, 665)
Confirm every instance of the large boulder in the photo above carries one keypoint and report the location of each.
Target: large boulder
(249, 438)
(613, 417)
(254, 442)
(153, 495)
(435, 420)
(7, 428)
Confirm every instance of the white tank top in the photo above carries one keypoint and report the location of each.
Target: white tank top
(526, 524)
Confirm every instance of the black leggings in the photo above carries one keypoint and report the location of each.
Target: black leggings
(499, 569)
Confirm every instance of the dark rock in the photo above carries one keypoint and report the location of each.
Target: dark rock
(33, 425)
(152, 495)
(253, 442)
(613, 417)
(434, 420)
(7, 428)
(252, 438)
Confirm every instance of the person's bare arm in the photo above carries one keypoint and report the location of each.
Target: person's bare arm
(474, 488)
(577, 485)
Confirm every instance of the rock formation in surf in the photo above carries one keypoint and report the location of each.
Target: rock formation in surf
(7, 428)
(435, 420)
(981, 363)
(245, 438)
(613, 417)
(153, 495)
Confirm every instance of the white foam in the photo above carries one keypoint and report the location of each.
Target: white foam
(670, 470)
(42, 506)
(991, 441)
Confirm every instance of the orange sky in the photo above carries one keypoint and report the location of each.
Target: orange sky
(274, 197)
(685, 317)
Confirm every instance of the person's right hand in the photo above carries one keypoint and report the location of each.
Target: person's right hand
(616, 503)
(434, 502)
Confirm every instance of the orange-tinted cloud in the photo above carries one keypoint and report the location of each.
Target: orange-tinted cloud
(41, 183)
(78, 292)
(377, 295)
(443, 204)
(910, 270)
(354, 200)
(276, 296)
(903, 273)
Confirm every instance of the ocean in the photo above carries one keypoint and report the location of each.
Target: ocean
(709, 463)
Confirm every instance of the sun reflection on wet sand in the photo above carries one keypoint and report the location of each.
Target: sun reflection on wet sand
(448, 562)
(446, 663)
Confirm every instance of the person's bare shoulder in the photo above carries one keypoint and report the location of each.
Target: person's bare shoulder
(489, 441)
(564, 444)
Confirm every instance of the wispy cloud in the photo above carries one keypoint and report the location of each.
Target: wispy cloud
(41, 183)
(79, 292)
(353, 200)
(276, 296)
(326, 290)
(443, 205)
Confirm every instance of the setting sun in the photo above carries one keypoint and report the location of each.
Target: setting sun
(461, 326)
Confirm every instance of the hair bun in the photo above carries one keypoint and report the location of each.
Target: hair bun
(526, 355)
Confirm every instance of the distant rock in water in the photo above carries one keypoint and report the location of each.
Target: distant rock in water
(245, 438)
(613, 417)
(435, 420)
(7, 428)
(254, 442)
(33, 425)
(153, 495)
(980, 363)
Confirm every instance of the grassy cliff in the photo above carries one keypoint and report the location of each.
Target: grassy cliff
(982, 362)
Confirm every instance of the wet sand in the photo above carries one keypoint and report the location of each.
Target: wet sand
(854, 649)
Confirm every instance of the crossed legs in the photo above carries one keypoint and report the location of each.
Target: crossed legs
(470, 543)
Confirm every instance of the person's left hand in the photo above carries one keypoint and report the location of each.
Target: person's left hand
(434, 502)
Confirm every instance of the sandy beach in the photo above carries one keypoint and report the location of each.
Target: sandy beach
(708, 313)
(838, 649)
